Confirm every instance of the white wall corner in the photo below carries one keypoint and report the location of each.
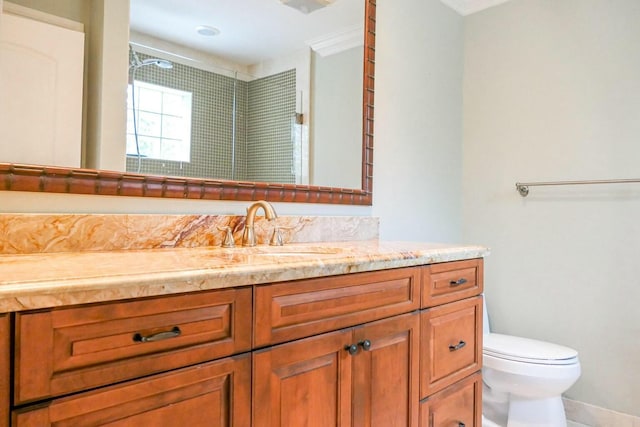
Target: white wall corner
(459, 6)
(338, 41)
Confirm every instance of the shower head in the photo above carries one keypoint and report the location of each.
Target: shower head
(162, 63)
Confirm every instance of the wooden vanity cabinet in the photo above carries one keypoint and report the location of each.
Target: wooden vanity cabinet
(361, 376)
(364, 373)
(451, 344)
(389, 348)
(5, 373)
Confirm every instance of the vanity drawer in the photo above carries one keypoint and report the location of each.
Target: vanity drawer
(67, 350)
(451, 281)
(458, 405)
(215, 393)
(292, 310)
(451, 344)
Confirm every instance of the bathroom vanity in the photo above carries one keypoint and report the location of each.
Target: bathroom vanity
(360, 333)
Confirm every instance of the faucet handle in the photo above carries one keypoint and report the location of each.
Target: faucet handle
(276, 237)
(228, 241)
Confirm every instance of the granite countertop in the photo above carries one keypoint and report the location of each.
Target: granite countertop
(37, 281)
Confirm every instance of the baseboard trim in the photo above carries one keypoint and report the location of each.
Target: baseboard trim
(595, 416)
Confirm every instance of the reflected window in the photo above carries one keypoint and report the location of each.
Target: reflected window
(162, 122)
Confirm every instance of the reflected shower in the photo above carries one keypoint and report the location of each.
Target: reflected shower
(135, 64)
(162, 63)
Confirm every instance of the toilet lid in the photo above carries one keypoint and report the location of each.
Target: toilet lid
(527, 350)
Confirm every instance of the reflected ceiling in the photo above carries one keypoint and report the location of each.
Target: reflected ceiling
(259, 30)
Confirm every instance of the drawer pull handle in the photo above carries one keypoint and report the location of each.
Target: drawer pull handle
(366, 345)
(352, 349)
(175, 332)
(457, 346)
(458, 282)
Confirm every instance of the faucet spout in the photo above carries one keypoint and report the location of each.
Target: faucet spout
(249, 237)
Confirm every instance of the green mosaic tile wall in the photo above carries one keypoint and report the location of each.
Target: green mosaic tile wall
(265, 108)
(269, 129)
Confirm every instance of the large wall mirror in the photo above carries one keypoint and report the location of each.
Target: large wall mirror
(232, 100)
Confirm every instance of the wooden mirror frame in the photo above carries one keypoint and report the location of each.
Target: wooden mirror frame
(53, 179)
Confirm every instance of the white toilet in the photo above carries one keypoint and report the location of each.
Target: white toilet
(524, 380)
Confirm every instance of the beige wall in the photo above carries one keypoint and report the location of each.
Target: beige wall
(336, 124)
(418, 121)
(551, 92)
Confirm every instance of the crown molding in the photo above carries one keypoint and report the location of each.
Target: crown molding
(338, 41)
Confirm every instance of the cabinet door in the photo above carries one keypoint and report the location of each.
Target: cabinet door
(208, 395)
(386, 380)
(457, 406)
(5, 341)
(451, 344)
(305, 383)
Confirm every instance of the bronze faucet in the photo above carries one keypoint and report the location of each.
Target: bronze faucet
(249, 237)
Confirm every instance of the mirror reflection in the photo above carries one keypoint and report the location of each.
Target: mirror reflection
(252, 91)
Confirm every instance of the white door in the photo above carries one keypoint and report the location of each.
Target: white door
(41, 81)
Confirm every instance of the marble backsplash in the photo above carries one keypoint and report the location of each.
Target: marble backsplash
(45, 233)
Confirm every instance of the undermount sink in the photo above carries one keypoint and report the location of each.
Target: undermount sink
(293, 251)
(276, 254)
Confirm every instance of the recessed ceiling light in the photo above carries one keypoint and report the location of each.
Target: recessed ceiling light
(207, 30)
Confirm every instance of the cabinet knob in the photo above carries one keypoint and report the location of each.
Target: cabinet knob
(352, 349)
(458, 282)
(366, 345)
(457, 346)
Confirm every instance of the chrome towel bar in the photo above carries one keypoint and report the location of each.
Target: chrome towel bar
(523, 187)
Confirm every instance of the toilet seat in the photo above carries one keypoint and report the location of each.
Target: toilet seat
(526, 350)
